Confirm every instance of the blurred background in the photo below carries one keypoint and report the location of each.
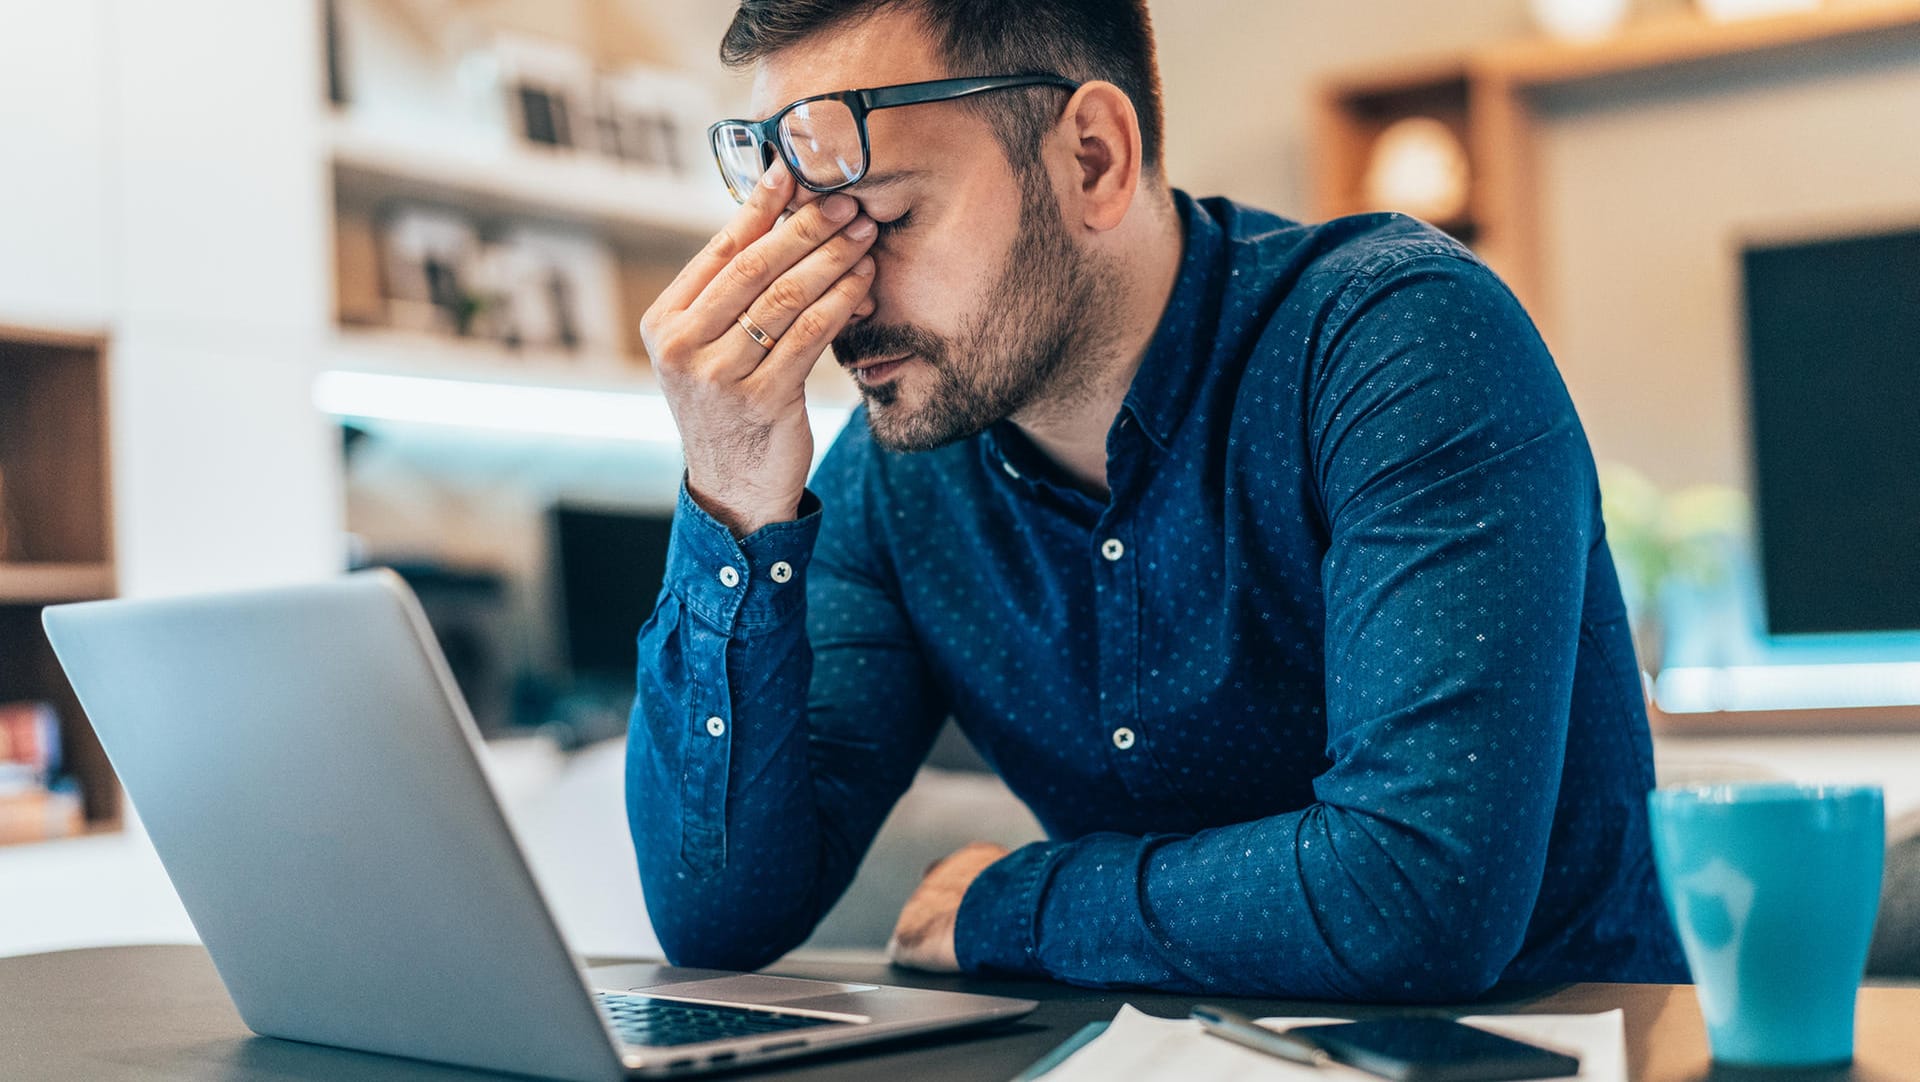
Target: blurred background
(290, 287)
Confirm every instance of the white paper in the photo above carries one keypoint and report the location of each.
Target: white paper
(1144, 1048)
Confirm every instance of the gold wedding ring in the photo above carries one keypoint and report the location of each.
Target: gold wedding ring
(753, 331)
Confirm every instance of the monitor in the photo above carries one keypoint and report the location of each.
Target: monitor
(609, 566)
(1833, 350)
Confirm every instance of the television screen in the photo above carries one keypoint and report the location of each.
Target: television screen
(609, 567)
(1833, 347)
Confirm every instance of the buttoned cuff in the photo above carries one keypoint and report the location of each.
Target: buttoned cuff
(745, 583)
(994, 932)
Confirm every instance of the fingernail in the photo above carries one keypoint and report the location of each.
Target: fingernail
(861, 229)
(774, 175)
(839, 207)
(864, 267)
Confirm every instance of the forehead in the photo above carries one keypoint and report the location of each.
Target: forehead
(877, 50)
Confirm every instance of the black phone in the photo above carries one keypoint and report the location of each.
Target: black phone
(1430, 1049)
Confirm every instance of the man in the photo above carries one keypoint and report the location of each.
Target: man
(1263, 560)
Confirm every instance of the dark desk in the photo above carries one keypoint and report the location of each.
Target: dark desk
(160, 1013)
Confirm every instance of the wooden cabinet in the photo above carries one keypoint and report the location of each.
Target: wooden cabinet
(56, 538)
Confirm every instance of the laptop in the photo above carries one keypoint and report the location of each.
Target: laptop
(308, 773)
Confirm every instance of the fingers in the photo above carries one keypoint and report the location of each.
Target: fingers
(754, 269)
(749, 224)
(813, 330)
(775, 309)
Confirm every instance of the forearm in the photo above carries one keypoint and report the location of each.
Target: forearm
(719, 788)
(776, 722)
(730, 857)
(1324, 903)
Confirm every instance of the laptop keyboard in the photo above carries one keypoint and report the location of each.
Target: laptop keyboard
(659, 1023)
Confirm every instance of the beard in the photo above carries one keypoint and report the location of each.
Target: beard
(1019, 348)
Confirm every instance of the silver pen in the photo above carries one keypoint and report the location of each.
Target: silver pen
(1242, 1030)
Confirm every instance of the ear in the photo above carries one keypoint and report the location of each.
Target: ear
(1105, 135)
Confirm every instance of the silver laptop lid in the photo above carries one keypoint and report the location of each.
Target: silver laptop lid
(312, 786)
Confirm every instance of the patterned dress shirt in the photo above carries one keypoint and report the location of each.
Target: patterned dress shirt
(1332, 697)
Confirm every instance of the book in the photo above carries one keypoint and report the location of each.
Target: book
(30, 737)
(39, 814)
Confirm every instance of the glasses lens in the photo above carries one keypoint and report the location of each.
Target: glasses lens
(742, 159)
(822, 139)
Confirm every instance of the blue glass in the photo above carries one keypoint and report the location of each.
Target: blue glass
(1774, 888)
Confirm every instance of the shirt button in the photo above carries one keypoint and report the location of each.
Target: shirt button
(716, 727)
(729, 577)
(1123, 738)
(1112, 549)
(781, 572)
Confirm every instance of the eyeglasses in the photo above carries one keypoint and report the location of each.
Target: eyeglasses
(823, 139)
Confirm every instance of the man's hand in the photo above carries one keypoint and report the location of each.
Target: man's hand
(740, 405)
(923, 938)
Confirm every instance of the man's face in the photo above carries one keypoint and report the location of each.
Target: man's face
(980, 292)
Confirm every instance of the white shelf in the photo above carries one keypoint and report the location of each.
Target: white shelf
(617, 201)
(596, 395)
(430, 356)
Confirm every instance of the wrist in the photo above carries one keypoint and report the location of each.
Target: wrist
(741, 521)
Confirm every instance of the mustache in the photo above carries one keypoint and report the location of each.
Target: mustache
(864, 341)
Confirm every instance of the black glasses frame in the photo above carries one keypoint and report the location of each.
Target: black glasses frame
(860, 103)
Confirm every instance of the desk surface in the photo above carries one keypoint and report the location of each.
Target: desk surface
(160, 1013)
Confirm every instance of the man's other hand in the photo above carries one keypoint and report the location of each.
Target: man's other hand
(923, 937)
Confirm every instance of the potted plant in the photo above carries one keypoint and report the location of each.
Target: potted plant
(1667, 542)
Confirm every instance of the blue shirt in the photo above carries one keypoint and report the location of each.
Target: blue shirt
(1333, 697)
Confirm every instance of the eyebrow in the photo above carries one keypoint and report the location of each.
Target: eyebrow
(887, 179)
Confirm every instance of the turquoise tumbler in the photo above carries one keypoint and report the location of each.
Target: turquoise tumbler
(1773, 888)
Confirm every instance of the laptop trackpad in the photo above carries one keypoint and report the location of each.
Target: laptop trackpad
(753, 988)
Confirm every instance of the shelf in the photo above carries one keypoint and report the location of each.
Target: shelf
(566, 187)
(1681, 38)
(57, 512)
(584, 382)
(52, 584)
(408, 353)
(75, 340)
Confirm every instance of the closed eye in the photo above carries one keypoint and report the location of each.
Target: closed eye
(889, 228)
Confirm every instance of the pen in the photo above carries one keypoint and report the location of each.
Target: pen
(1241, 1030)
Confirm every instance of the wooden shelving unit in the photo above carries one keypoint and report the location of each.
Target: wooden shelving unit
(58, 547)
(1489, 97)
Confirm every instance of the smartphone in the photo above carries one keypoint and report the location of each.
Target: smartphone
(1429, 1049)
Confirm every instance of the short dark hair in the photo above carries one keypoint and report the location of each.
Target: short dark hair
(1080, 39)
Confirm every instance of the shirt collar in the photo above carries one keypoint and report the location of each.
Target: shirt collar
(1170, 374)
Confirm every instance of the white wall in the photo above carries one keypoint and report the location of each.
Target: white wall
(54, 201)
(161, 180)
(1649, 196)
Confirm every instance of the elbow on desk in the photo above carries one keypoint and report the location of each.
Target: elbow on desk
(1432, 925)
(1449, 968)
(704, 949)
